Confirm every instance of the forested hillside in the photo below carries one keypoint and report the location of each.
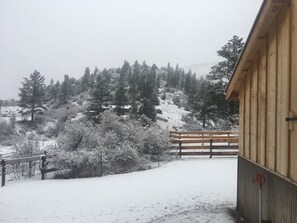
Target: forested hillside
(116, 112)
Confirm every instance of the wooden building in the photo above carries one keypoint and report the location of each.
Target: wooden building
(265, 83)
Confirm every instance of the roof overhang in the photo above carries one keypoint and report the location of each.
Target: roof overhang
(268, 11)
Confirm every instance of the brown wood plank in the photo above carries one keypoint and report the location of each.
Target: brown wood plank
(206, 137)
(262, 104)
(271, 98)
(22, 160)
(283, 71)
(241, 120)
(293, 93)
(254, 110)
(223, 140)
(222, 147)
(247, 131)
(208, 153)
(204, 132)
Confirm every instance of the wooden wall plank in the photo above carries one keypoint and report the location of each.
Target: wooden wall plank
(254, 110)
(271, 98)
(262, 103)
(283, 71)
(293, 93)
(247, 129)
(241, 120)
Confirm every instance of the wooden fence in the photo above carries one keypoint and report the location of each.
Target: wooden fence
(30, 160)
(205, 143)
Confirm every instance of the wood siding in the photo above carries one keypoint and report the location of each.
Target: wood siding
(269, 94)
(293, 93)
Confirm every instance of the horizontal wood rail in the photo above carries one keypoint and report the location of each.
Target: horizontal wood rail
(205, 143)
(42, 165)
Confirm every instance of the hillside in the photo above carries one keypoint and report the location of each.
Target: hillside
(169, 119)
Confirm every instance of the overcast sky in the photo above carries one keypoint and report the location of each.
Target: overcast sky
(58, 37)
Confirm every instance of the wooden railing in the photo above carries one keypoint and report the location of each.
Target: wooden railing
(205, 143)
(42, 165)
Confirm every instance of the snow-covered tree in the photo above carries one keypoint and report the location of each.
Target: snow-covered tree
(32, 94)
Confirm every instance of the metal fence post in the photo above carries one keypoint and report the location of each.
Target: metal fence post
(3, 172)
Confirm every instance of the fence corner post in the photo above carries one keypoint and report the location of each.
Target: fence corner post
(210, 155)
(3, 172)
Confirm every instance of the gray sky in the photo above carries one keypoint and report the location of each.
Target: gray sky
(58, 37)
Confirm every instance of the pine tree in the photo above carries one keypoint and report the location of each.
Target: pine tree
(99, 97)
(86, 80)
(148, 97)
(65, 91)
(221, 73)
(125, 70)
(120, 96)
(204, 107)
(169, 78)
(32, 93)
(93, 77)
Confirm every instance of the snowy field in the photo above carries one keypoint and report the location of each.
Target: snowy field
(188, 190)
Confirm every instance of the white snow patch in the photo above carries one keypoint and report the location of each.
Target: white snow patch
(191, 190)
(172, 113)
(5, 151)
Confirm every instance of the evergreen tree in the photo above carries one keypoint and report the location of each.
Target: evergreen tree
(148, 97)
(86, 80)
(100, 95)
(125, 70)
(65, 91)
(221, 73)
(93, 77)
(169, 78)
(32, 93)
(56, 90)
(204, 107)
(120, 96)
(188, 83)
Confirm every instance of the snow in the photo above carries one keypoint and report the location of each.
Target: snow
(8, 111)
(188, 190)
(172, 113)
(5, 151)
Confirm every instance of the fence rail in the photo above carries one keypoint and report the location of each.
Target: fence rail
(223, 143)
(29, 160)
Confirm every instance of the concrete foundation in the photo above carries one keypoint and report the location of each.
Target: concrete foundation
(279, 196)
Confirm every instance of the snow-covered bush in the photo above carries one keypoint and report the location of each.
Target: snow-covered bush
(78, 135)
(77, 164)
(28, 147)
(125, 146)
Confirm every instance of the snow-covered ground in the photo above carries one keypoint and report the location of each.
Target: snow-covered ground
(172, 113)
(189, 190)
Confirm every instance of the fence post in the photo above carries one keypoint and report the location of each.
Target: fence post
(43, 166)
(210, 156)
(180, 149)
(158, 156)
(101, 164)
(30, 169)
(3, 172)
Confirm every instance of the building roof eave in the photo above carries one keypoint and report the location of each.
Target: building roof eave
(268, 11)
